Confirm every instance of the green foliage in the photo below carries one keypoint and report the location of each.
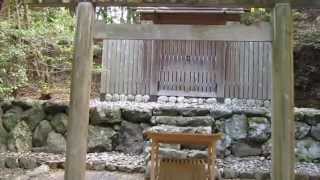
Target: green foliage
(254, 16)
(306, 25)
(306, 29)
(31, 54)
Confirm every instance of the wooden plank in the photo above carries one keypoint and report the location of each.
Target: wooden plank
(120, 68)
(227, 70)
(255, 69)
(103, 84)
(181, 3)
(241, 69)
(129, 71)
(109, 63)
(282, 95)
(127, 66)
(269, 72)
(260, 78)
(232, 32)
(237, 69)
(80, 94)
(265, 71)
(221, 57)
(134, 68)
(155, 65)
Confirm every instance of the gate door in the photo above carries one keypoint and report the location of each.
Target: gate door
(187, 68)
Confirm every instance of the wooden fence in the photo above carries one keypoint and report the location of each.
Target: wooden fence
(194, 68)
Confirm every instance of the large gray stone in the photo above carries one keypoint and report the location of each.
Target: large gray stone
(172, 153)
(315, 132)
(253, 112)
(183, 121)
(136, 115)
(130, 138)
(312, 116)
(6, 105)
(20, 138)
(162, 99)
(100, 139)
(308, 115)
(166, 111)
(56, 143)
(243, 150)
(24, 103)
(267, 148)
(105, 115)
(259, 129)
(33, 116)
(302, 130)
(41, 133)
(230, 173)
(3, 137)
(12, 162)
(236, 127)
(175, 129)
(55, 107)
(219, 113)
(59, 122)
(28, 162)
(11, 118)
(189, 112)
(223, 144)
(308, 149)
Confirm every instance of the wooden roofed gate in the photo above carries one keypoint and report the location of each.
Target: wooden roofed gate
(282, 68)
(192, 68)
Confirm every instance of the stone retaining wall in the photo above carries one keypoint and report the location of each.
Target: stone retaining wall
(41, 126)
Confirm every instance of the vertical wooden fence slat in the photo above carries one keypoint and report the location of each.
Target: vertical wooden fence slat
(269, 66)
(130, 63)
(255, 70)
(104, 81)
(220, 57)
(260, 78)
(109, 61)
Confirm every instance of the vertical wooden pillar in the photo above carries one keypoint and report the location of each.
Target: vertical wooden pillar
(282, 95)
(80, 93)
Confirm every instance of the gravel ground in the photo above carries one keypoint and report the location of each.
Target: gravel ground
(59, 175)
(255, 165)
(124, 166)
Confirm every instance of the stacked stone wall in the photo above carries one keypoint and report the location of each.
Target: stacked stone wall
(40, 126)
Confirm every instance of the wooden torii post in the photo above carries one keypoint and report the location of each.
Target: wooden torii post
(282, 76)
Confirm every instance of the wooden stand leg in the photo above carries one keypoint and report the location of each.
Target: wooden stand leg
(80, 94)
(210, 162)
(153, 161)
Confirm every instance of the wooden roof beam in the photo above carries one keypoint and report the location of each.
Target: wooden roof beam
(233, 32)
(183, 3)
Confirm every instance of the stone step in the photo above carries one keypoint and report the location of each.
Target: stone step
(183, 121)
(175, 129)
(180, 111)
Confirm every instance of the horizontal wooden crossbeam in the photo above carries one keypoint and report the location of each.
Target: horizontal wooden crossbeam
(234, 32)
(193, 3)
